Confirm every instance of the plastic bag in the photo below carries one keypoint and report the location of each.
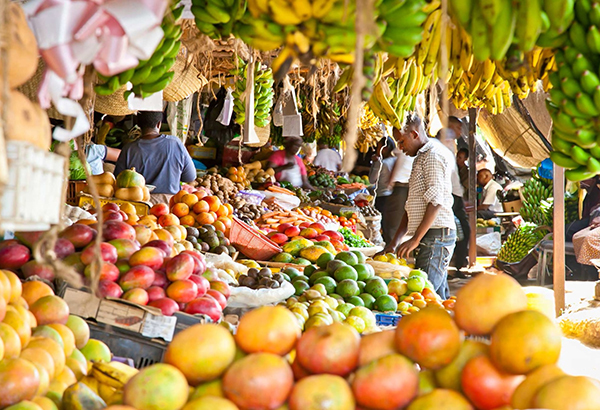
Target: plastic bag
(490, 243)
(227, 111)
(287, 202)
(223, 261)
(243, 297)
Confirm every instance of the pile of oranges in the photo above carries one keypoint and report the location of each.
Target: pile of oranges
(197, 209)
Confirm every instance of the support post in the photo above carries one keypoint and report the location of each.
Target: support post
(472, 187)
(558, 254)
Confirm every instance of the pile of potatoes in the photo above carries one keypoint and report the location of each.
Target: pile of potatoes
(224, 188)
(246, 211)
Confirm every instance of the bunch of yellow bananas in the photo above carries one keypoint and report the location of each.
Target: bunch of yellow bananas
(107, 379)
(525, 71)
(367, 138)
(367, 118)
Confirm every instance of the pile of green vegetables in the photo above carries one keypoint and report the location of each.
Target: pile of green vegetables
(353, 240)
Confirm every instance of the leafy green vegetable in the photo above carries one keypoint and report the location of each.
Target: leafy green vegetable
(353, 240)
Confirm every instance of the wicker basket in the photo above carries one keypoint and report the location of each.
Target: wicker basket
(30, 89)
(113, 104)
(186, 81)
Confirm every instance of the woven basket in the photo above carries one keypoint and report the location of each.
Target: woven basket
(113, 104)
(187, 79)
(263, 135)
(30, 89)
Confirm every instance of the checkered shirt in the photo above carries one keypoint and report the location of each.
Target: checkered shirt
(430, 182)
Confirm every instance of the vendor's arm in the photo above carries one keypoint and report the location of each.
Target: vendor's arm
(397, 166)
(430, 214)
(189, 169)
(121, 164)
(279, 168)
(112, 154)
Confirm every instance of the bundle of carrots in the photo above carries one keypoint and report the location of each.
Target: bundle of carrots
(280, 190)
(354, 185)
(274, 219)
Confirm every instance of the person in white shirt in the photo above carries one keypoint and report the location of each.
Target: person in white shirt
(428, 219)
(448, 138)
(381, 172)
(490, 204)
(328, 158)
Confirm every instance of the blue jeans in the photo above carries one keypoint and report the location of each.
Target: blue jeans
(433, 256)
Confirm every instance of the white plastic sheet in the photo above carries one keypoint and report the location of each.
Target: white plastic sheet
(243, 297)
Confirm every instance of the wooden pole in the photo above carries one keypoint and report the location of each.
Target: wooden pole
(558, 260)
(472, 187)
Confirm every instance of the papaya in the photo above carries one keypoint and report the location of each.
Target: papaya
(327, 245)
(130, 194)
(294, 247)
(312, 253)
(130, 179)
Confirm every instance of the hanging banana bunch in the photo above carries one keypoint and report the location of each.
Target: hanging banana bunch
(403, 25)
(263, 94)
(152, 75)
(368, 138)
(216, 18)
(367, 118)
(575, 96)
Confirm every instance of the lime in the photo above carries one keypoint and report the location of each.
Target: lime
(364, 271)
(360, 256)
(376, 287)
(301, 261)
(345, 272)
(333, 265)
(309, 270)
(283, 257)
(337, 297)
(347, 257)
(328, 282)
(385, 303)
(365, 314)
(356, 323)
(356, 301)
(397, 286)
(416, 283)
(418, 272)
(317, 275)
(291, 272)
(347, 288)
(300, 286)
(286, 277)
(403, 307)
(319, 287)
(299, 277)
(345, 308)
(367, 299)
(361, 285)
(323, 259)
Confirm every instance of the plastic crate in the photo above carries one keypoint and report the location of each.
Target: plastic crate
(75, 187)
(32, 196)
(143, 351)
(387, 319)
(252, 243)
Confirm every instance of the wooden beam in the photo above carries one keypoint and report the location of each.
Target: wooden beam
(558, 254)
(472, 187)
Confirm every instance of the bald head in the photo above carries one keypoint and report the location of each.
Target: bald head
(484, 176)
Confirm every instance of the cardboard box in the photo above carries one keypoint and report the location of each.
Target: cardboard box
(145, 320)
(512, 206)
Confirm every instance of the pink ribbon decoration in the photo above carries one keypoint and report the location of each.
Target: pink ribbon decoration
(112, 35)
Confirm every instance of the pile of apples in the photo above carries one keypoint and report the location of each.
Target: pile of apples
(315, 232)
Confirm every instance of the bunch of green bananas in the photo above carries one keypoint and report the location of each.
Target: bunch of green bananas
(263, 94)
(216, 18)
(575, 97)
(537, 201)
(373, 65)
(152, 75)
(403, 30)
(519, 243)
(496, 24)
(571, 207)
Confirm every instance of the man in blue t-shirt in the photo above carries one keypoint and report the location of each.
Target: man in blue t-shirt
(161, 159)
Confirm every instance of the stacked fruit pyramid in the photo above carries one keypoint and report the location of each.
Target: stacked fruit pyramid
(208, 368)
(575, 97)
(46, 354)
(152, 75)
(520, 242)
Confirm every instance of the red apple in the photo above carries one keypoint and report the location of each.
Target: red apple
(138, 277)
(34, 268)
(167, 306)
(202, 283)
(108, 271)
(322, 237)
(148, 256)
(160, 279)
(107, 252)
(159, 210)
(279, 238)
(205, 305)
(218, 296)
(118, 230)
(107, 288)
(14, 256)
(125, 247)
(282, 227)
(160, 244)
(79, 235)
(155, 293)
(292, 231)
(110, 206)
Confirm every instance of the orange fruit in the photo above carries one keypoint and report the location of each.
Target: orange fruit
(188, 220)
(205, 218)
(222, 211)
(229, 209)
(34, 290)
(201, 206)
(180, 209)
(168, 219)
(226, 221)
(213, 202)
(179, 196)
(201, 193)
(190, 200)
(214, 215)
(219, 226)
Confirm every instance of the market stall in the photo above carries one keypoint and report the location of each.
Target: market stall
(244, 276)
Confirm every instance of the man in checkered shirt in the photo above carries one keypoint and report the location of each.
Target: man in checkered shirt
(428, 219)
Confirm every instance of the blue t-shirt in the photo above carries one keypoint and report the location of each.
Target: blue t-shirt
(96, 155)
(163, 161)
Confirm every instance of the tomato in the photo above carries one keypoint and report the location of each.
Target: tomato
(487, 387)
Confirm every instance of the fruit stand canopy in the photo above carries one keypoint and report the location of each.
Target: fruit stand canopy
(512, 135)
